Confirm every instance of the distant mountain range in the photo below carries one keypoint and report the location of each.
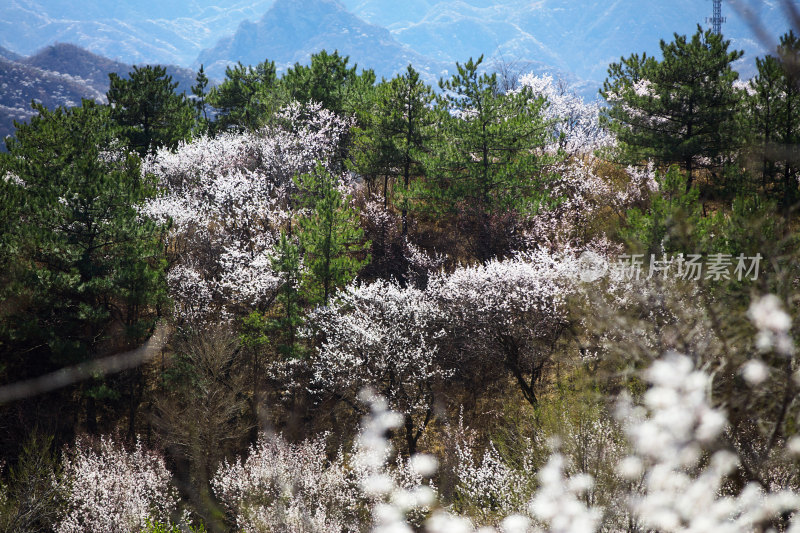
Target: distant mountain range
(572, 39)
(294, 29)
(59, 75)
(130, 31)
(577, 37)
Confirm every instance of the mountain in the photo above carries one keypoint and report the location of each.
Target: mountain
(292, 30)
(577, 37)
(70, 59)
(21, 83)
(572, 39)
(93, 68)
(60, 75)
(134, 32)
(8, 54)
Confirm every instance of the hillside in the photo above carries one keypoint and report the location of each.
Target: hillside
(21, 83)
(293, 30)
(312, 303)
(59, 75)
(93, 68)
(8, 54)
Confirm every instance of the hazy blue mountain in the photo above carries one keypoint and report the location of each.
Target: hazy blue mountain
(573, 39)
(294, 29)
(145, 31)
(8, 54)
(578, 37)
(94, 69)
(21, 83)
(77, 62)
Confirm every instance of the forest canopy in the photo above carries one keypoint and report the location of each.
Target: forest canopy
(386, 306)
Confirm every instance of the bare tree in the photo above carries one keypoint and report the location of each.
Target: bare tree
(509, 72)
(202, 413)
(32, 502)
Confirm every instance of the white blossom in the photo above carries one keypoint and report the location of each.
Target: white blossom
(755, 372)
(557, 503)
(577, 122)
(228, 198)
(773, 325)
(380, 335)
(289, 487)
(668, 437)
(115, 491)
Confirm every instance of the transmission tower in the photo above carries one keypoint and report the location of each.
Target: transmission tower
(717, 20)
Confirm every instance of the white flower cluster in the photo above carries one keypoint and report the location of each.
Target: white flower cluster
(490, 483)
(642, 182)
(379, 335)
(583, 198)
(393, 501)
(389, 337)
(773, 325)
(556, 502)
(675, 486)
(680, 490)
(295, 488)
(500, 292)
(577, 122)
(644, 88)
(115, 491)
(640, 89)
(290, 487)
(228, 197)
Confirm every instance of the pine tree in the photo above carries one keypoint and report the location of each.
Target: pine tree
(488, 158)
(200, 93)
(398, 131)
(329, 81)
(680, 110)
(288, 317)
(330, 237)
(773, 118)
(149, 110)
(90, 268)
(247, 98)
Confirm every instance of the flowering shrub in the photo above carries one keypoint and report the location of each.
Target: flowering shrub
(158, 527)
(393, 255)
(290, 487)
(672, 467)
(381, 336)
(488, 487)
(395, 497)
(228, 197)
(577, 122)
(115, 491)
(675, 470)
(514, 311)
(583, 197)
(681, 490)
